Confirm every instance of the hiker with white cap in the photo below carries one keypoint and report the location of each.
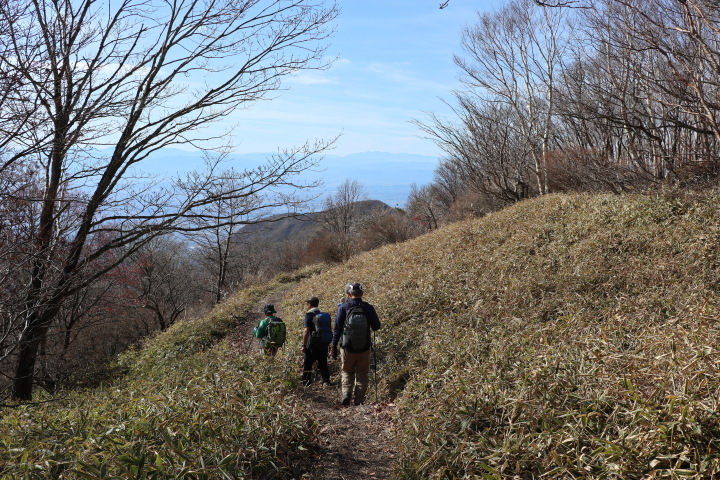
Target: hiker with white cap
(353, 323)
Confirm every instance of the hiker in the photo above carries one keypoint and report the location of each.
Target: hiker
(353, 322)
(317, 337)
(271, 331)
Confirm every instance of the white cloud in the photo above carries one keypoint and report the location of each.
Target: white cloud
(409, 78)
(312, 79)
(341, 62)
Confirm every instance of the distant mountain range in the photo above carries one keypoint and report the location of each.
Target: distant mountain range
(387, 177)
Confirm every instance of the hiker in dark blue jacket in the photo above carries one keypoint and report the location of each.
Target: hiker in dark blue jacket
(313, 350)
(355, 318)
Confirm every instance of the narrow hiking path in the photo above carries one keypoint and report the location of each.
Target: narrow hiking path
(352, 443)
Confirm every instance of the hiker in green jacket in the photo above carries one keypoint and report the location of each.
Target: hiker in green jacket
(270, 331)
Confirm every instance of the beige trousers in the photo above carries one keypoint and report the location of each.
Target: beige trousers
(355, 375)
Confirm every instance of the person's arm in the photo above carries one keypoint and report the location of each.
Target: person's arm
(308, 324)
(261, 330)
(339, 323)
(373, 317)
(306, 336)
(337, 331)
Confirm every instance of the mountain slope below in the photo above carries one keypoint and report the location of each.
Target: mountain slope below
(564, 337)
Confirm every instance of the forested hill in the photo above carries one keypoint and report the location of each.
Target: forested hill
(281, 228)
(563, 337)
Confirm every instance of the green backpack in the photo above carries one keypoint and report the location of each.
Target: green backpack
(275, 332)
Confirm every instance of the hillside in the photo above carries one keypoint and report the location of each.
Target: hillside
(281, 228)
(564, 337)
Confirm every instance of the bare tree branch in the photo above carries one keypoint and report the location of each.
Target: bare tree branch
(135, 76)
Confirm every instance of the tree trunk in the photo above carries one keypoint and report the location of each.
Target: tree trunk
(27, 358)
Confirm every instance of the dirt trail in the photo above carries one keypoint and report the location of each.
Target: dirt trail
(353, 443)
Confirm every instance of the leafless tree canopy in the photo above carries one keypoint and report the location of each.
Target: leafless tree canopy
(613, 95)
(340, 214)
(341, 218)
(89, 90)
(541, 3)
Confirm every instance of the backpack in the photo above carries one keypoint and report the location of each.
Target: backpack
(356, 332)
(275, 332)
(322, 335)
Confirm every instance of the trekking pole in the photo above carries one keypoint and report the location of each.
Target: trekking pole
(249, 344)
(374, 366)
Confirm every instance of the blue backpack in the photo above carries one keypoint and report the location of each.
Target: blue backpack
(322, 335)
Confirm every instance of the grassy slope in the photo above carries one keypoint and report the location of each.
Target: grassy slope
(568, 336)
(188, 407)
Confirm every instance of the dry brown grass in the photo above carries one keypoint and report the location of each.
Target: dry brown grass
(565, 337)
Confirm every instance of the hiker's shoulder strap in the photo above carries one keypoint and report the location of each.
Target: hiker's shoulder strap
(359, 304)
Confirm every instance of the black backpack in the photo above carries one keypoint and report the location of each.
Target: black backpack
(322, 335)
(356, 332)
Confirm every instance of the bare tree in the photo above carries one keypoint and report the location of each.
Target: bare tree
(613, 95)
(639, 91)
(423, 206)
(485, 154)
(166, 288)
(217, 238)
(134, 76)
(341, 210)
(83, 333)
(541, 3)
(341, 217)
(513, 56)
(678, 44)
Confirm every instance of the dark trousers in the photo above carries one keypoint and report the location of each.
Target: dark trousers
(316, 354)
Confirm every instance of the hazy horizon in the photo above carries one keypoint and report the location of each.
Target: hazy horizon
(387, 177)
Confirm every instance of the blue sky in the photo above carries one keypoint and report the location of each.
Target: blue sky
(394, 63)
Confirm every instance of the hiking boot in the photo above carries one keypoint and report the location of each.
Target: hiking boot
(346, 401)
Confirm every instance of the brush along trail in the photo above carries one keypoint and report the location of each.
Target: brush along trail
(352, 443)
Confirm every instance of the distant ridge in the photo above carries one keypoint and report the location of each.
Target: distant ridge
(280, 228)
